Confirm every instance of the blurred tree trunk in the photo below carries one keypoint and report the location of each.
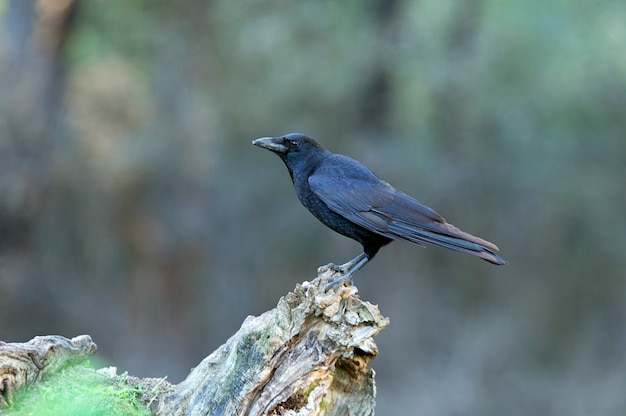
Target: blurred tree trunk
(32, 129)
(33, 146)
(452, 118)
(376, 95)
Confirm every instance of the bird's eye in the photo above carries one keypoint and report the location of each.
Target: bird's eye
(293, 143)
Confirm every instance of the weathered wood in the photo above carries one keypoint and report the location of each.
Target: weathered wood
(22, 364)
(308, 356)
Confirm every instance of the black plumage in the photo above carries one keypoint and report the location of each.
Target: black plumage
(350, 199)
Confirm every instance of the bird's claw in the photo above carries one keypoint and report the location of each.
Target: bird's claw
(339, 275)
(335, 269)
(338, 282)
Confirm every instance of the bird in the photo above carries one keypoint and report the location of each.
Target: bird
(350, 199)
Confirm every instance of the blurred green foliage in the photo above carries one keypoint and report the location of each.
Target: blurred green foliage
(128, 183)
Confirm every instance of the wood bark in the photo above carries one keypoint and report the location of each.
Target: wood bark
(307, 356)
(22, 364)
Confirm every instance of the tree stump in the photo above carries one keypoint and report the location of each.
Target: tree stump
(307, 356)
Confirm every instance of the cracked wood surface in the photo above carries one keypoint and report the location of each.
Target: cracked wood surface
(307, 356)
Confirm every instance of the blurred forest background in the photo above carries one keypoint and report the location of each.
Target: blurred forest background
(134, 208)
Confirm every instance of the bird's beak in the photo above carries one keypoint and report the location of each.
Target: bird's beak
(271, 143)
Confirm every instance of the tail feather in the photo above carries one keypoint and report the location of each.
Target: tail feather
(475, 247)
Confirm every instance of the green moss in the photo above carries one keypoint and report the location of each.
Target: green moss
(79, 390)
(260, 340)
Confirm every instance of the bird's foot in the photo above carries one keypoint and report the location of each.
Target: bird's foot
(339, 274)
(335, 269)
(339, 281)
(343, 272)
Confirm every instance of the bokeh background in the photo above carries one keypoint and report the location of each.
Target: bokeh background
(134, 208)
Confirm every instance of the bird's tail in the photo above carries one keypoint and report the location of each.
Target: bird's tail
(459, 240)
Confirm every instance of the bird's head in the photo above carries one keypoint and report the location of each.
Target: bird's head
(294, 148)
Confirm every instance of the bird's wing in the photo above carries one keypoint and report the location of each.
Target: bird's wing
(354, 192)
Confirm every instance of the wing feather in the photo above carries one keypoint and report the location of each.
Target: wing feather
(354, 192)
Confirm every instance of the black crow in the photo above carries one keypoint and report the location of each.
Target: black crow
(350, 199)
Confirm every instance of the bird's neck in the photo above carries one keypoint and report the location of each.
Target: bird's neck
(304, 168)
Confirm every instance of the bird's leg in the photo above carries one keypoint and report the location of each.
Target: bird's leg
(346, 267)
(347, 270)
